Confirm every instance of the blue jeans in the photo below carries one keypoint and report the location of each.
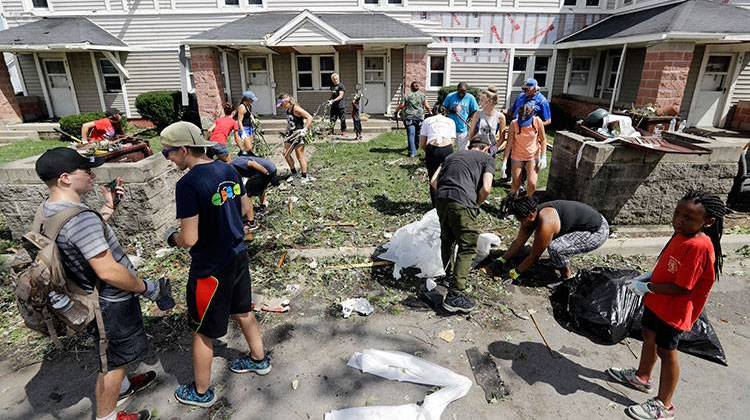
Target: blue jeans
(412, 131)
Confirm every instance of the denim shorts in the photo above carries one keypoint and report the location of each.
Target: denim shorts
(220, 149)
(246, 132)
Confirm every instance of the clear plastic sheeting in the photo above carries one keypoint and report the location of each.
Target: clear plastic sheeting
(405, 367)
(417, 245)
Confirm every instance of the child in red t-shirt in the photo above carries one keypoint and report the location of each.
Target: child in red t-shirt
(675, 294)
(219, 133)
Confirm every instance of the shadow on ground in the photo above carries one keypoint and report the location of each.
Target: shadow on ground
(386, 206)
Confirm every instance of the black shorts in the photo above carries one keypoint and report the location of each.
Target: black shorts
(256, 185)
(123, 325)
(667, 336)
(212, 299)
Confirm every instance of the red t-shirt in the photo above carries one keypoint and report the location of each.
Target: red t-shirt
(688, 263)
(102, 128)
(223, 126)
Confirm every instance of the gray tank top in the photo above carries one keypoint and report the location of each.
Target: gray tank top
(488, 125)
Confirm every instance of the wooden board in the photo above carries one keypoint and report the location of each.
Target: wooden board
(486, 375)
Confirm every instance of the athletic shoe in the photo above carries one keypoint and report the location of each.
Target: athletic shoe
(141, 415)
(458, 302)
(137, 383)
(187, 394)
(251, 225)
(652, 409)
(261, 210)
(245, 364)
(628, 377)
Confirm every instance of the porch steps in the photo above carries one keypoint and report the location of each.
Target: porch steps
(8, 136)
(44, 130)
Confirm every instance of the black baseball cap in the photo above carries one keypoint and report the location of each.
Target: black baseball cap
(111, 112)
(482, 139)
(60, 160)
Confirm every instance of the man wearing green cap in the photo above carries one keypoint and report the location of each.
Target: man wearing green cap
(211, 204)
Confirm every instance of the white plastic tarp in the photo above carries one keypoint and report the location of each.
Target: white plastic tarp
(400, 366)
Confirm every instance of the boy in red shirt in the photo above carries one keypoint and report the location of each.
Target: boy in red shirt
(675, 294)
(103, 128)
(220, 131)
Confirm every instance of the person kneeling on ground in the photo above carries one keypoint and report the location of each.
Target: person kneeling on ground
(93, 256)
(259, 173)
(211, 202)
(564, 228)
(104, 128)
(675, 294)
(461, 184)
(220, 131)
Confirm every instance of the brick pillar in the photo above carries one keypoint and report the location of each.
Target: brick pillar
(665, 74)
(10, 112)
(415, 65)
(209, 83)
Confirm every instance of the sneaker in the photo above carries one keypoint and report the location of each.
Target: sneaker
(187, 394)
(293, 177)
(455, 301)
(245, 364)
(251, 225)
(261, 210)
(141, 415)
(628, 377)
(137, 383)
(652, 409)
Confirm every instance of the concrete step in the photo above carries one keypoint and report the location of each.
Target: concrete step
(44, 130)
(13, 136)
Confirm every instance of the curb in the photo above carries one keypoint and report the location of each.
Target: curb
(653, 246)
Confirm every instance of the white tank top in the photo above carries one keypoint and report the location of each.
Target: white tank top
(488, 125)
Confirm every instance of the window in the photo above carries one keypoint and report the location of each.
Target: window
(580, 74)
(232, 2)
(255, 2)
(314, 72)
(541, 65)
(110, 76)
(581, 3)
(614, 63)
(372, 1)
(375, 69)
(519, 71)
(41, 4)
(592, 3)
(394, 1)
(530, 66)
(569, 2)
(437, 71)
(191, 79)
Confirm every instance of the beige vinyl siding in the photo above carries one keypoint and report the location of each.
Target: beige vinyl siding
(30, 76)
(631, 75)
(77, 5)
(482, 3)
(481, 75)
(397, 77)
(348, 73)
(84, 82)
(195, 4)
(310, 100)
(235, 77)
(149, 71)
(695, 69)
(430, 3)
(171, 29)
(307, 34)
(282, 73)
(742, 84)
(12, 6)
(561, 66)
(296, 5)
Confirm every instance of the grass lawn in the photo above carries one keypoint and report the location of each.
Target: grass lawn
(26, 148)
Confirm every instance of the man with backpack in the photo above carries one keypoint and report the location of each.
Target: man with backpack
(95, 262)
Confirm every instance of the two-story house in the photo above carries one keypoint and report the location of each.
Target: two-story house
(87, 55)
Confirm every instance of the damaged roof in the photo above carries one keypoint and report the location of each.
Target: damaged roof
(59, 32)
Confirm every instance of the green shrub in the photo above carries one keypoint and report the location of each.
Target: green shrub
(445, 90)
(161, 107)
(72, 124)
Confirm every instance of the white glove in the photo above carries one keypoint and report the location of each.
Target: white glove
(152, 290)
(638, 287)
(543, 162)
(330, 102)
(303, 132)
(504, 167)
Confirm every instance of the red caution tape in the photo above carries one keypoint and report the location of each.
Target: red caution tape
(495, 34)
(455, 57)
(515, 24)
(456, 20)
(541, 34)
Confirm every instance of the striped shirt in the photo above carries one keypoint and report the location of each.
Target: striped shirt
(81, 239)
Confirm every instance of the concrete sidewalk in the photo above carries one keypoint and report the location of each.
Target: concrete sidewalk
(652, 246)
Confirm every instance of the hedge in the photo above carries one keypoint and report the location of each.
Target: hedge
(162, 107)
(72, 124)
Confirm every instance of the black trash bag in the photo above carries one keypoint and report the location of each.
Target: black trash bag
(597, 305)
(701, 341)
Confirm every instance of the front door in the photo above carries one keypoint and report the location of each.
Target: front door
(258, 80)
(375, 84)
(60, 93)
(711, 90)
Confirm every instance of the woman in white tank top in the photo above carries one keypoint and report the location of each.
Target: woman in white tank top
(488, 120)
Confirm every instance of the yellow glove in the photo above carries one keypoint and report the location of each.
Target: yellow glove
(513, 274)
(501, 260)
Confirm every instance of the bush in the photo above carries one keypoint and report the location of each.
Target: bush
(445, 90)
(72, 124)
(161, 107)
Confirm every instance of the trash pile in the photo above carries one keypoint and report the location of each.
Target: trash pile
(597, 305)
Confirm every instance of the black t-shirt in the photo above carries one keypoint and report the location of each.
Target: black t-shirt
(212, 191)
(335, 94)
(574, 216)
(461, 176)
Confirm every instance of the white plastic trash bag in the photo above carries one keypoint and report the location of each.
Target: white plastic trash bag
(485, 242)
(417, 245)
(399, 366)
(626, 125)
(360, 305)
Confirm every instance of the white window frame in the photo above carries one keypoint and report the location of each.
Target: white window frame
(581, 4)
(530, 72)
(610, 69)
(382, 3)
(430, 72)
(317, 76)
(190, 78)
(590, 75)
(104, 76)
(28, 6)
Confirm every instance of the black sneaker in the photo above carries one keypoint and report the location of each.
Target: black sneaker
(137, 383)
(261, 210)
(251, 225)
(455, 301)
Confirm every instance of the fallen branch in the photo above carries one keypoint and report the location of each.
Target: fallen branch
(361, 265)
(281, 261)
(542, 335)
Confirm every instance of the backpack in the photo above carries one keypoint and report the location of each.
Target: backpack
(45, 274)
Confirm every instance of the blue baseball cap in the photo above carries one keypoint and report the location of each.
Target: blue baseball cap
(531, 83)
(248, 94)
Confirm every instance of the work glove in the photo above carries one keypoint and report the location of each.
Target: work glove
(504, 167)
(513, 274)
(542, 162)
(152, 289)
(303, 132)
(638, 287)
(169, 236)
(501, 260)
(330, 102)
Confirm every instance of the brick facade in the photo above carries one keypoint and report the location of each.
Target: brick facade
(10, 112)
(415, 65)
(209, 83)
(741, 117)
(665, 73)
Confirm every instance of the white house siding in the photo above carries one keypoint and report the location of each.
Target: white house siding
(137, 5)
(484, 3)
(742, 85)
(195, 4)
(314, 4)
(165, 4)
(397, 77)
(428, 3)
(30, 76)
(156, 70)
(77, 5)
(307, 34)
(523, 4)
(12, 6)
(84, 82)
(235, 76)
(481, 74)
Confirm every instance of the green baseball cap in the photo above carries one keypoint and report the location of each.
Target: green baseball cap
(183, 133)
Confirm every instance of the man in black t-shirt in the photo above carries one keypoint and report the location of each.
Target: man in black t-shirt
(211, 204)
(338, 106)
(461, 185)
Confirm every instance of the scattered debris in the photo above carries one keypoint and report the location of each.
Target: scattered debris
(447, 335)
(486, 375)
(281, 261)
(360, 305)
(279, 305)
(361, 265)
(292, 288)
(417, 245)
(313, 264)
(163, 252)
(531, 314)
(295, 384)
